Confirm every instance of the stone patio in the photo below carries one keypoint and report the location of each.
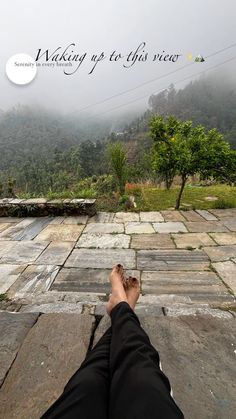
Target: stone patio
(54, 277)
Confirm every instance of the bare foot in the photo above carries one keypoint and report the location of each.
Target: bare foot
(132, 289)
(118, 293)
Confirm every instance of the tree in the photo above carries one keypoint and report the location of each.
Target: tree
(189, 151)
(164, 160)
(117, 158)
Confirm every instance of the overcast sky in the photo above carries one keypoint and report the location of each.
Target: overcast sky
(95, 26)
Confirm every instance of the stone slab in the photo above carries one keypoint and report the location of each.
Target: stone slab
(125, 217)
(224, 238)
(220, 253)
(104, 241)
(100, 227)
(61, 232)
(57, 220)
(60, 307)
(222, 213)
(183, 283)
(4, 226)
(102, 217)
(230, 224)
(8, 275)
(101, 258)
(12, 232)
(172, 215)
(51, 353)
(35, 201)
(191, 215)
(12, 220)
(85, 280)
(181, 310)
(34, 279)
(152, 241)
(55, 254)
(13, 330)
(80, 219)
(34, 228)
(170, 227)
(206, 215)
(194, 240)
(173, 260)
(24, 252)
(139, 228)
(205, 227)
(197, 355)
(5, 247)
(227, 272)
(151, 216)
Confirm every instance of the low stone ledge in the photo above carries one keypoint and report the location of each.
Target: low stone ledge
(44, 207)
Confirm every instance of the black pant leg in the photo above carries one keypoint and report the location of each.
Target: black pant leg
(139, 389)
(86, 395)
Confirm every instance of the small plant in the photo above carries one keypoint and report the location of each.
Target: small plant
(189, 248)
(3, 297)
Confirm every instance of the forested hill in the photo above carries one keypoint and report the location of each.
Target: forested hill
(210, 101)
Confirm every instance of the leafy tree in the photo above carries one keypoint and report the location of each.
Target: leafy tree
(117, 158)
(190, 151)
(164, 159)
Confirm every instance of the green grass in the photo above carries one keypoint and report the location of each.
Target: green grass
(153, 198)
(193, 197)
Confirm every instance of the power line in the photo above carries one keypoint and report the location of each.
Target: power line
(150, 81)
(146, 95)
(160, 90)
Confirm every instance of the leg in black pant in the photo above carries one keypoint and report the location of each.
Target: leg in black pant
(139, 389)
(86, 395)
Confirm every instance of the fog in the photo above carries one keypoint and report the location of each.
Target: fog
(174, 26)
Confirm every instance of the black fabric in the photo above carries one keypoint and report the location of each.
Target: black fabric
(119, 379)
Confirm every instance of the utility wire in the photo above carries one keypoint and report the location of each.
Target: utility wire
(143, 97)
(150, 81)
(163, 88)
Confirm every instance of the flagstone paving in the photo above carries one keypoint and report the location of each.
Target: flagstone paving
(183, 252)
(54, 277)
